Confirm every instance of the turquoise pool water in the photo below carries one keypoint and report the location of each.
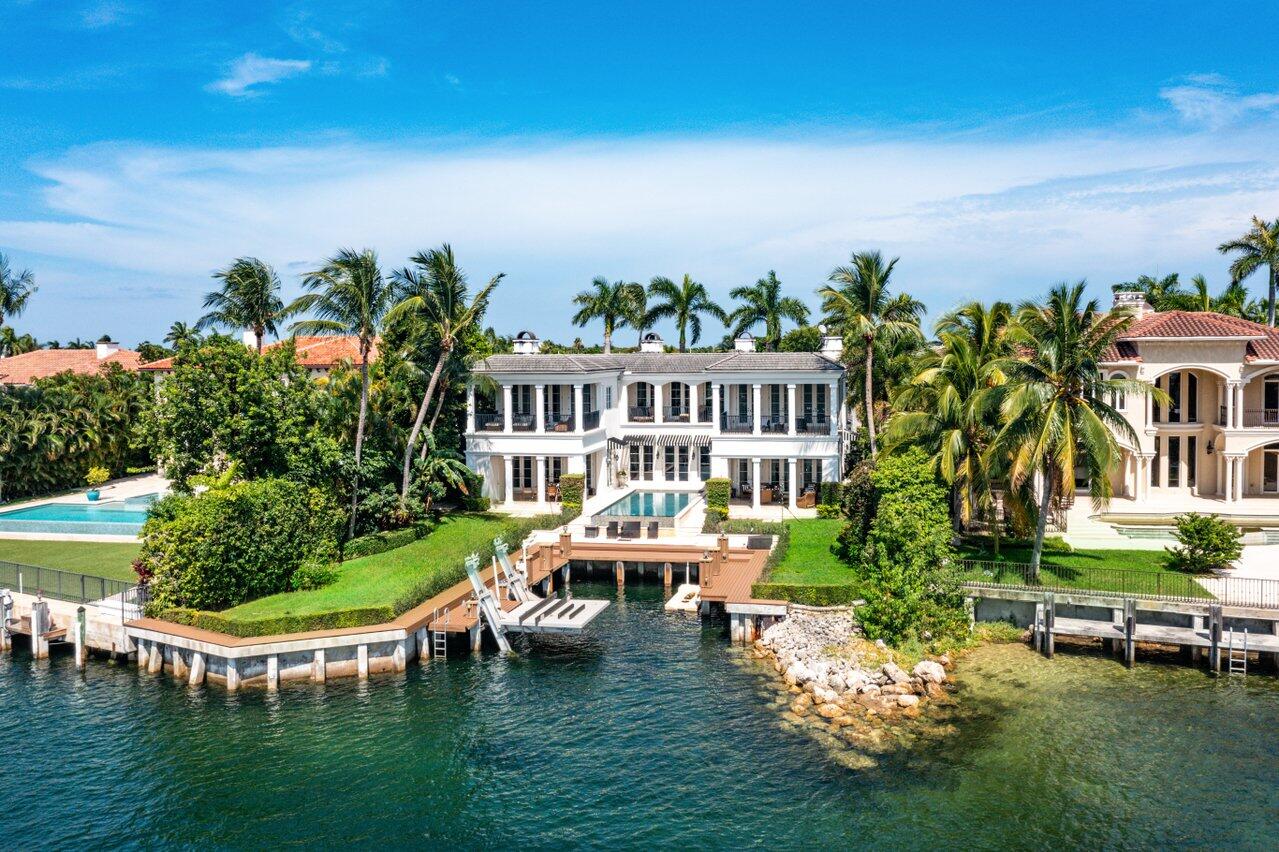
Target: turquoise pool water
(649, 504)
(111, 517)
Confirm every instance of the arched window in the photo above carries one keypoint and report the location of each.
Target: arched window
(1118, 399)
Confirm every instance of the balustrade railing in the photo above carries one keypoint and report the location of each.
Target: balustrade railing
(675, 413)
(489, 421)
(812, 425)
(640, 413)
(737, 423)
(591, 420)
(1261, 417)
(523, 422)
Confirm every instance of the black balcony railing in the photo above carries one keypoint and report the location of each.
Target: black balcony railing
(675, 413)
(772, 424)
(704, 414)
(640, 413)
(737, 423)
(1221, 415)
(559, 421)
(812, 425)
(1261, 417)
(489, 421)
(591, 420)
(523, 422)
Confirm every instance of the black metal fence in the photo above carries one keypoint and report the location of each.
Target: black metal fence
(66, 585)
(1125, 582)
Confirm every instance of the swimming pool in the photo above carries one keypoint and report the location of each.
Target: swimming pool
(649, 504)
(111, 517)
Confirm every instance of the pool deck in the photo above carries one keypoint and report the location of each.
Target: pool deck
(119, 489)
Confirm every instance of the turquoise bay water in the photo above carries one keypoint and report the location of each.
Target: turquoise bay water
(649, 504)
(110, 517)
(650, 731)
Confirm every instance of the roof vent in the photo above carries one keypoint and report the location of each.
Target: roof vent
(526, 343)
(1133, 301)
(652, 342)
(744, 342)
(832, 344)
(106, 348)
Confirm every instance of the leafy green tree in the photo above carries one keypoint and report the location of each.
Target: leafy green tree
(764, 303)
(249, 298)
(1205, 543)
(911, 588)
(12, 343)
(235, 543)
(1256, 249)
(684, 303)
(434, 298)
(1055, 405)
(858, 303)
(180, 334)
(348, 296)
(149, 351)
(614, 304)
(16, 289)
(806, 338)
(1162, 294)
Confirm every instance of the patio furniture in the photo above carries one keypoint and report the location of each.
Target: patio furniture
(553, 492)
(807, 500)
(767, 494)
(630, 529)
(611, 530)
(759, 542)
(653, 529)
(592, 532)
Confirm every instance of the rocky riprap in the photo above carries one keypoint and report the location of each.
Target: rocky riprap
(840, 679)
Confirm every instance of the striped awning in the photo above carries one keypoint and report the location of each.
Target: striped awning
(690, 441)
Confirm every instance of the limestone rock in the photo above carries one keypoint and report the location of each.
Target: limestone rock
(830, 711)
(907, 700)
(894, 672)
(930, 671)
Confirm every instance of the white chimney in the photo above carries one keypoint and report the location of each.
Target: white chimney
(526, 343)
(832, 344)
(652, 342)
(106, 348)
(744, 342)
(1134, 301)
(250, 339)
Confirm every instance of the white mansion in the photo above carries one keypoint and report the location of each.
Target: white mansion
(771, 422)
(1215, 446)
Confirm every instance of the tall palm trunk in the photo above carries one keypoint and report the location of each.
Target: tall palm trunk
(445, 349)
(1274, 280)
(608, 341)
(1045, 500)
(258, 333)
(359, 436)
(870, 402)
(430, 427)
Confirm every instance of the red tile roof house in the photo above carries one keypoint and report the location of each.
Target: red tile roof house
(26, 368)
(318, 354)
(1214, 448)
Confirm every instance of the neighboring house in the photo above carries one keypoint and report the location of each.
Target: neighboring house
(318, 354)
(41, 363)
(1215, 446)
(771, 422)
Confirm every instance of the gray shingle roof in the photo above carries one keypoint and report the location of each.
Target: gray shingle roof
(671, 362)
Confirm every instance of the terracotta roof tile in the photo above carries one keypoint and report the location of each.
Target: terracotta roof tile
(26, 368)
(314, 353)
(1191, 324)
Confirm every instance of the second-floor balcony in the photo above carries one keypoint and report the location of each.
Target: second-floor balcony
(489, 421)
(640, 413)
(559, 421)
(523, 422)
(773, 424)
(675, 413)
(1261, 417)
(591, 420)
(737, 423)
(812, 425)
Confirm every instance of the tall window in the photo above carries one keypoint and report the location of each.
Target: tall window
(1154, 465)
(1192, 448)
(705, 462)
(1174, 461)
(1174, 398)
(1157, 411)
(1192, 402)
(1118, 399)
(608, 396)
(681, 463)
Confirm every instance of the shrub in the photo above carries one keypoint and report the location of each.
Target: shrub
(828, 510)
(313, 575)
(749, 526)
(830, 493)
(572, 488)
(820, 594)
(857, 504)
(718, 490)
(219, 623)
(380, 542)
(97, 476)
(233, 544)
(1207, 543)
(910, 591)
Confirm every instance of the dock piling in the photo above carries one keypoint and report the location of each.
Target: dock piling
(1130, 632)
(155, 660)
(666, 576)
(81, 650)
(273, 672)
(1214, 638)
(39, 626)
(6, 613)
(197, 668)
(620, 570)
(1050, 618)
(318, 666)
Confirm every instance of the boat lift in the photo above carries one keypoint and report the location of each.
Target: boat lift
(530, 613)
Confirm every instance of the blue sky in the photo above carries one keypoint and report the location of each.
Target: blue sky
(996, 151)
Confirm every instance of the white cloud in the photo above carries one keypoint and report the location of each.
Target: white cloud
(107, 13)
(970, 218)
(252, 70)
(1212, 101)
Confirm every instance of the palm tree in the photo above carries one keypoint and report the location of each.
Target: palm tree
(764, 303)
(859, 304)
(1163, 294)
(637, 310)
(683, 303)
(180, 334)
(1055, 404)
(16, 288)
(435, 294)
(1257, 248)
(612, 303)
(249, 298)
(348, 296)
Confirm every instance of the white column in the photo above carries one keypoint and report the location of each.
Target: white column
(1241, 478)
(693, 400)
(539, 402)
(1240, 422)
(835, 413)
(470, 407)
(508, 463)
(1230, 480)
(755, 398)
(1185, 455)
(1230, 405)
(792, 487)
(755, 483)
(1150, 410)
(715, 395)
(541, 479)
(790, 414)
(578, 411)
(659, 399)
(506, 408)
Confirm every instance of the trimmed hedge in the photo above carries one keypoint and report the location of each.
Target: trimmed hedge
(380, 542)
(750, 526)
(828, 510)
(718, 490)
(219, 623)
(572, 488)
(831, 493)
(809, 595)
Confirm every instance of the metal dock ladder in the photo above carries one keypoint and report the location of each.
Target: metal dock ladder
(439, 638)
(1237, 659)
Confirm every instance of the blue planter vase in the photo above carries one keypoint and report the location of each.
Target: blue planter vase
(94, 494)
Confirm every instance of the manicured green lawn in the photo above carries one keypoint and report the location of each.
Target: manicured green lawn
(1133, 571)
(380, 579)
(98, 559)
(810, 559)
